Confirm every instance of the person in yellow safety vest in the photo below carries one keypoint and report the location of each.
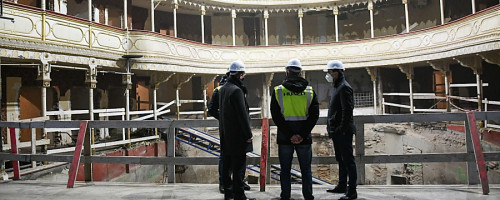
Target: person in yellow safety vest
(213, 110)
(295, 110)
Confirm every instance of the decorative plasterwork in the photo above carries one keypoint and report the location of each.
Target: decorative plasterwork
(272, 6)
(472, 62)
(476, 34)
(491, 57)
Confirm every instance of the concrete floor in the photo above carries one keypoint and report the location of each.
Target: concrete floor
(26, 189)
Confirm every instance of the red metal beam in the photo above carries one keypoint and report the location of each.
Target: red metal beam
(263, 154)
(478, 153)
(78, 152)
(13, 148)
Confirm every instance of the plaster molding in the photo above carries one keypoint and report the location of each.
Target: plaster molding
(475, 34)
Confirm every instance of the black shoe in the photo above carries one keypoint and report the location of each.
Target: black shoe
(246, 186)
(350, 194)
(228, 196)
(337, 189)
(221, 189)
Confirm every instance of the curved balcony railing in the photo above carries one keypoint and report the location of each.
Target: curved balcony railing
(74, 41)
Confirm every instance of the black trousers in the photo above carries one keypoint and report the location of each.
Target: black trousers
(342, 144)
(236, 164)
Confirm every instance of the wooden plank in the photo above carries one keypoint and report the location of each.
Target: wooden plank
(78, 152)
(263, 154)
(28, 144)
(13, 146)
(478, 152)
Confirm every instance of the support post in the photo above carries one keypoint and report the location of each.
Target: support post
(478, 153)
(373, 72)
(474, 63)
(125, 15)
(73, 170)
(233, 16)
(370, 8)
(405, 2)
(44, 77)
(473, 2)
(360, 152)
(444, 67)
(264, 165)
(13, 148)
(263, 154)
(33, 145)
(300, 15)
(336, 13)
(408, 70)
(152, 8)
(441, 10)
(171, 153)
(91, 81)
(90, 10)
(266, 16)
(175, 6)
(203, 12)
(181, 79)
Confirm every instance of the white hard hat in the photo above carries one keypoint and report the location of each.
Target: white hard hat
(237, 66)
(294, 65)
(334, 64)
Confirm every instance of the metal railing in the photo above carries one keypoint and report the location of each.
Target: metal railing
(170, 160)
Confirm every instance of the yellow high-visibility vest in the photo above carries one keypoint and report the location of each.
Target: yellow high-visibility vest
(217, 88)
(294, 105)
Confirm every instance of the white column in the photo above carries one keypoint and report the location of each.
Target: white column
(447, 90)
(178, 103)
(152, 15)
(370, 8)
(203, 12)
(473, 2)
(336, 13)
(42, 5)
(374, 96)
(266, 33)
(176, 6)
(479, 92)
(155, 109)
(90, 10)
(205, 106)
(300, 15)
(125, 14)
(441, 8)
(233, 16)
(412, 109)
(106, 16)
(406, 16)
(91, 104)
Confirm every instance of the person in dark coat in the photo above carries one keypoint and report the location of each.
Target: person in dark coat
(295, 110)
(341, 128)
(213, 110)
(236, 141)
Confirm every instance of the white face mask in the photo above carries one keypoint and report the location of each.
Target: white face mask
(329, 78)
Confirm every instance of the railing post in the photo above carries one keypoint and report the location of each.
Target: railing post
(87, 152)
(360, 151)
(13, 148)
(472, 173)
(478, 153)
(263, 154)
(171, 153)
(73, 170)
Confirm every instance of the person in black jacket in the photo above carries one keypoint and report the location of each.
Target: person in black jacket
(295, 110)
(236, 138)
(213, 110)
(341, 128)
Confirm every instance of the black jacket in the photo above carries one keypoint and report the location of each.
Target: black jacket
(286, 129)
(340, 111)
(213, 107)
(234, 118)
